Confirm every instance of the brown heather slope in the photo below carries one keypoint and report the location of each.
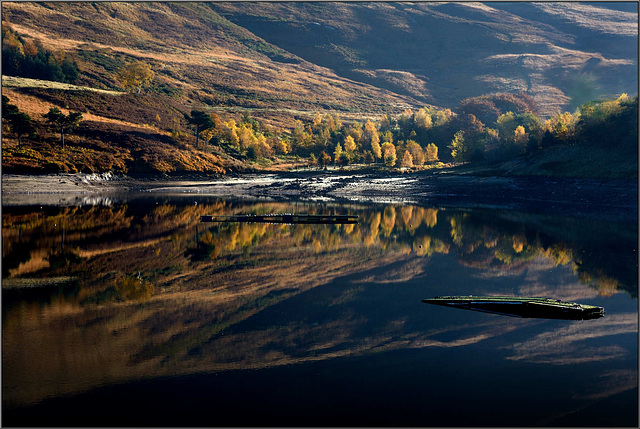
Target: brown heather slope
(355, 56)
(199, 56)
(562, 54)
(283, 61)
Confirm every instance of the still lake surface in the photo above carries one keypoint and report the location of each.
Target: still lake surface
(131, 312)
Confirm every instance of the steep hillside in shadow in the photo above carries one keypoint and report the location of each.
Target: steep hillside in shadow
(561, 53)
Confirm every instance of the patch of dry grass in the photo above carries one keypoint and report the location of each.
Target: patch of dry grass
(23, 82)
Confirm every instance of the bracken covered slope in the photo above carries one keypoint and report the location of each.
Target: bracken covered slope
(563, 54)
(360, 57)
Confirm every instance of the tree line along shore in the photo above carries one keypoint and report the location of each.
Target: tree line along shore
(145, 130)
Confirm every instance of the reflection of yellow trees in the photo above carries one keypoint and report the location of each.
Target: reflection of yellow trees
(375, 228)
(406, 213)
(76, 218)
(457, 235)
(604, 284)
(511, 251)
(413, 217)
(348, 228)
(134, 289)
(427, 246)
(169, 236)
(519, 241)
(431, 217)
(388, 220)
(374, 225)
(558, 253)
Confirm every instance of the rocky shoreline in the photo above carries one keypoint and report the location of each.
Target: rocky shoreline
(616, 199)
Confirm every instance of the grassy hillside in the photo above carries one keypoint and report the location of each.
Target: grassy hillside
(562, 54)
(365, 57)
(198, 55)
(284, 62)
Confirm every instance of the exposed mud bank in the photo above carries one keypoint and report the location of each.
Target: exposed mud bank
(594, 197)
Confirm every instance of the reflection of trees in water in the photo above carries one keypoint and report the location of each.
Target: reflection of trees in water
(103, 243)
(211, 281)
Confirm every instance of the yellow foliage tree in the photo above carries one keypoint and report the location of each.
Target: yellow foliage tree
(349, 144)
(417, 154)
(135, 75)
(520, 136)
(407, 159)
(422, 119)
(389, 154)
(317, 121)
(431, 153)
(282, 147)
(207, 135)
(376, 149)
(336, 153)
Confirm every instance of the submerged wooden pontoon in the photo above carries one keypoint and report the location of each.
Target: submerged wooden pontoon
(283, 218)
(521, 306)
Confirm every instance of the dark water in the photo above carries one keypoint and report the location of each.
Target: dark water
(135, 313)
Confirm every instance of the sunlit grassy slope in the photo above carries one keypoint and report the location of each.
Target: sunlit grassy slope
(283, 61)
(372, 57)
(198, 56)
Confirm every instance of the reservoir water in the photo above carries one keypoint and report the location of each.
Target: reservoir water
(131, 312)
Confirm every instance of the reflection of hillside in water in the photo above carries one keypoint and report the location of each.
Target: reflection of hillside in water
(155, 292)
(173, 233)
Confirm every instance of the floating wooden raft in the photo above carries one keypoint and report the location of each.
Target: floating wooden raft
(283, 218)
(518, 306)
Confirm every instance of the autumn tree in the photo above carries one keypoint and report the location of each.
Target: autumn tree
(422, 119)
(559, 129)
(136, 75)
(324, 159)
(336, 153)
(389, 154)
(349, 144)
(459, 150)
(521, 137)
(515, 130)
(431, 153)
(468, 141)
(387, 136)
(370, 134)
(62, 122)
(312, 160)
(329, 123)
(207, 135)
(282, 146)
(231, 132)
(301, 139)
(376, 150)
(317, 121)
(407, 159)
(417, 154)
(611, 123)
